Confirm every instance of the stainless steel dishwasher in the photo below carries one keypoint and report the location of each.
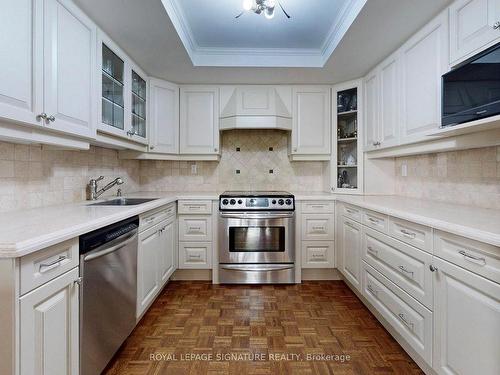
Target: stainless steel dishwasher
(108, 297)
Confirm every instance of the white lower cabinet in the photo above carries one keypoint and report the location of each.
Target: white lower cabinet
(317, 254)
(155, 262)
(408, 317)
(466, 322)
(49, 328)
(350, 251)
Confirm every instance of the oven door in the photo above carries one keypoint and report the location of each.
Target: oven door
(264, 237)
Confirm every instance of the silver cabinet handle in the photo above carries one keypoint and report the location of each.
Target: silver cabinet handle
(194, 228)
(317, 206)
(41, 116)
(433, 268)
(472, 258)
(374, 221)
(406, 322)
(319, 228)
(403, 268)
(44, 267)
(408, 234)
(350, 225)
(372, 250)
(376, 143)
(318, 256)
(152, 147)
(496, 25)
(51, 118)
(216, 149)
(195, 256)
(295, 149)
(371, 289)
(78, 281)
(350, 211)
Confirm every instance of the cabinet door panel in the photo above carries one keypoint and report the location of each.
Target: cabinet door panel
(49, 328)
(167, 252)
(371, 111)
(164, 117)
(471, 27)
(389, 103)
(69, 46)
(351, 252)
(147, 268)
(311, 120)
(466, 322)
(20, 35)
(199, 120)
(424, 59)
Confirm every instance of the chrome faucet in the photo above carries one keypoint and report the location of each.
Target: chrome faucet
(94, 193)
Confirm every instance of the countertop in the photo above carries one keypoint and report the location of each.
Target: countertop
(475, 223)
(25, 231)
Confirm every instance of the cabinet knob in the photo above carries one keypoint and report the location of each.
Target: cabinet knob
(333, 188)
(216, 149)
(376, 143)
(42, 116)
(432, 268)
(78, 281)
(295, 149)
(496, 25)
(152, 147)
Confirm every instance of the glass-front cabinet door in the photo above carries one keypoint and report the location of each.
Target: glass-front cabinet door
(123, 94)
(138, 105)
(347, 158)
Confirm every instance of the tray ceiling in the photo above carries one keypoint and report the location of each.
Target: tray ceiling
(213, 37)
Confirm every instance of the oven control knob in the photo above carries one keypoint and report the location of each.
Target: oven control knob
(280, 202)
(288, 202)
(232, 201)
(225, 202)
(240, 201)
(273, 201)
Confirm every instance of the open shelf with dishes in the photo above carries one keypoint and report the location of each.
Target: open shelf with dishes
(347, 159)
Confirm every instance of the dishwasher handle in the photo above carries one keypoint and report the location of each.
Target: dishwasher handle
(104, 250)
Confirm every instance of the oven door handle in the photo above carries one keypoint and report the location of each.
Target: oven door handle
(257, 267)
(260, 215)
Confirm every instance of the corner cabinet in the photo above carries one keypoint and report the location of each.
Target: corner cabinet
(164, 117)
(199, 120)
(310, 123)
(346, 165)
(474, 25)
(123, 94)
(48, 75)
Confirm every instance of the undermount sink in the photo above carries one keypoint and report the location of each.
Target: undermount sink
(123, 202)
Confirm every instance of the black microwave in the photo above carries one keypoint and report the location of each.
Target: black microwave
(471, 91)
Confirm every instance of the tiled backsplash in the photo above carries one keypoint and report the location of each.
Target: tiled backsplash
(470, 177)
(33, 176)
(260, 153)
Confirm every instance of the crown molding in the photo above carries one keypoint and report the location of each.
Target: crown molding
(262, 57)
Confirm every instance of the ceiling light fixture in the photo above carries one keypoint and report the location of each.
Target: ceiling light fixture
(265, 7)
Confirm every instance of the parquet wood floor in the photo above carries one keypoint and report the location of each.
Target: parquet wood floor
(314, 318)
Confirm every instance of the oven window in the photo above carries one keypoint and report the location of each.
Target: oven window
(260, 239)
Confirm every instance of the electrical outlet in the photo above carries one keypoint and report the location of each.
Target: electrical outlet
(194, 169)
(404, 170)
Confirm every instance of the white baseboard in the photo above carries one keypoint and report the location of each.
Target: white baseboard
(202, 275)
(320, 274)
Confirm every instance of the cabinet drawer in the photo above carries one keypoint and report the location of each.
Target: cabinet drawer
(409, 318)
(195, 228)
(317, 254)
(317, 227)
(375, 220)
(351, 212)
(318, 207)
(478, 257)
(151, 218)
(39, 267)
(415, 234)
(404, 265)
(195, 255)
(195, 207)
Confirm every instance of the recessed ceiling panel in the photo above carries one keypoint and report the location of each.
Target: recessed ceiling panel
(213, 36)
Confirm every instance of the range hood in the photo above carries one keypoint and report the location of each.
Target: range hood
(256, 107)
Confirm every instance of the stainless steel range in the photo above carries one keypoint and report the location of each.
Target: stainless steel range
(257, 237)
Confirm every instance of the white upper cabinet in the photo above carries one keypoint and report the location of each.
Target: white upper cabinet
(199, 120)
(474, 25)
(20, 68)
(371, 93)
(69, 63)
(311, 121)
(48, 73)
(164, 117)
(424, 58)
(388, 124)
